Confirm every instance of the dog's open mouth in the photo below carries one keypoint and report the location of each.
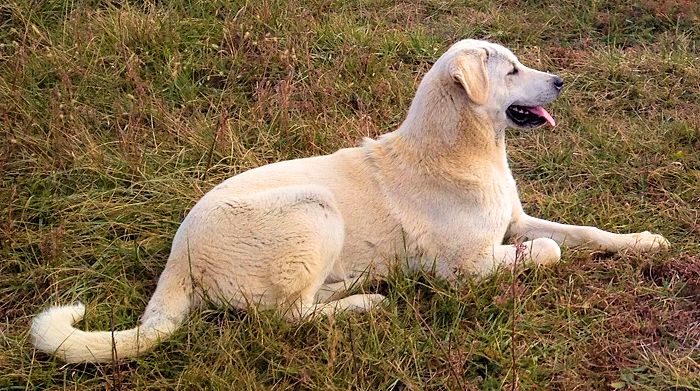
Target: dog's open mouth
(529, 116)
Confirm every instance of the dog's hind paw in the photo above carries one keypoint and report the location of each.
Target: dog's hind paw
(362, 302)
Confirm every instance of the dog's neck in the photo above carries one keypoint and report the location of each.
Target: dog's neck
(442, 128)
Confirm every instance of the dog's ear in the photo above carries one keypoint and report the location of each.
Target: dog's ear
(469, 69)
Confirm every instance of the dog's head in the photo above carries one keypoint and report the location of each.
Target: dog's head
(492, 80)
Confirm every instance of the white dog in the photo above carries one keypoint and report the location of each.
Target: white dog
(294, 235)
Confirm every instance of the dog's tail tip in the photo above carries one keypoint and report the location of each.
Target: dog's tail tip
(64, 315)
(52, 326)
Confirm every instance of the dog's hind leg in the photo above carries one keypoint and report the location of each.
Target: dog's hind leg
(327, 299)
(335, 290)
(359, 303)
(274, 249)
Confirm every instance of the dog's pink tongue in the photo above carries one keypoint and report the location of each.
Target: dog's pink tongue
(539, 110)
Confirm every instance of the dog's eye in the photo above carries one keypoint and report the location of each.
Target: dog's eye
(513, 72)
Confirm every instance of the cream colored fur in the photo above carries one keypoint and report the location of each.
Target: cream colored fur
(295, 235)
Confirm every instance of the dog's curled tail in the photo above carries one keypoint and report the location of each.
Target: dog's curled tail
(52, 331)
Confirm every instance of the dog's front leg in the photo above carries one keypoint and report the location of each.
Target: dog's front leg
(540, 251)
(592, 238)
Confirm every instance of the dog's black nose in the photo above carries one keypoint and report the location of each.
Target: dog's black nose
(558, 82)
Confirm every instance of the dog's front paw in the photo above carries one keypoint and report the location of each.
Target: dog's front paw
(647, 241)
(544, 251)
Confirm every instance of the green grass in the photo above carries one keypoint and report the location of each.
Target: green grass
(115, 117)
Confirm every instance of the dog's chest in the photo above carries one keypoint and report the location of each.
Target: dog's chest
(487, 208)
(500, 208)
(466, 216)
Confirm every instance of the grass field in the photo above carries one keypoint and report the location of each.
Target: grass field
(116, 116)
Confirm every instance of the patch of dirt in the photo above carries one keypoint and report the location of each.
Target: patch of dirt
(684, 268)
(681, 10)
(637, 317)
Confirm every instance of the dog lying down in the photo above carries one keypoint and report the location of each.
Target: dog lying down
(295, 235)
